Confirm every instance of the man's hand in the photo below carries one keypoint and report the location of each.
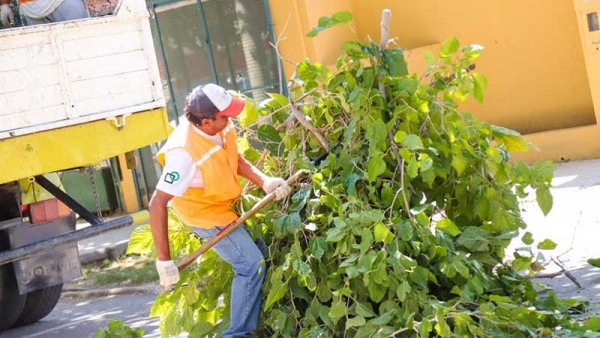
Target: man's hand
(168, 273)
(7, 16)
(277, 184)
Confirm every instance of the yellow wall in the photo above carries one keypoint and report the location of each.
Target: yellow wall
(128, 189)
(534, 60)
(293, 19)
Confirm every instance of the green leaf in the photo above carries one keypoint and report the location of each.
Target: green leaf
(282, 101)
(172, 323)
(527, 238)
(480, 83)
(365, 310)
(376, 292)
(350, 182)
(425, 327)
(327, 22)
(187, 319)
(101, 334)
(355, 321)
(475, 239)
(342, 17)
(338, 310)
(276, 292)
(162, 305)
(449, 47)
(315, 31)
(249, 115)
(289, 223)
(412, 142)
(335, 235)
(140, 241)
(201, 329)
(405, 229)
(269, 136)
(429, 59)
(546, 245)
(407, 86)
(459, 163)
(441, 327)
(412, 169)
(425, 162)
(301, 267)
(544, 199)
(420, 276)
(308, 71)
(400, 136)
(448, 227)
(594, 262)
(402, 290)
(383, 319)
(395, 62)
(383, 234)
(375, 167)
(592, 324)
(472, 52)
(318, 247)
(511, 140)
(366, 240)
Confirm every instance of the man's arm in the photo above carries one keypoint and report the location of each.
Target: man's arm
(7, 17)
(250, 172)
(267, 183)
(158, 223)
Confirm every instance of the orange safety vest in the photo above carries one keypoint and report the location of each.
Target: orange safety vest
(209, 206)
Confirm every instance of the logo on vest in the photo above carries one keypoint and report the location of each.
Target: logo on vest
(172, 177)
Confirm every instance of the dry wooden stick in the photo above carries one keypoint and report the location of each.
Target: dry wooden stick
(301, 118)
(558, 262)
(385, 36)
(453, 76)
(567, 273)
(563, 270)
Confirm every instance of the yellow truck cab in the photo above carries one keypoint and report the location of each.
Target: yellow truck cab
(72, 94)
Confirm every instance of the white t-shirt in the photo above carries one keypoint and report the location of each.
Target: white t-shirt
(180, 172)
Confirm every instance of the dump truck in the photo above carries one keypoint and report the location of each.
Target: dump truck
(72, 94)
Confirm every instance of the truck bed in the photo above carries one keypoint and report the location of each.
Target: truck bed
(68, 73)
(75, 93)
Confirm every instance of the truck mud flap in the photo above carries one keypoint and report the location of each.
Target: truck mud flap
(50, 268)
(33, 269)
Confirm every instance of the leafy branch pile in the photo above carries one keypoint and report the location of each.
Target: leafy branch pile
(402, 229)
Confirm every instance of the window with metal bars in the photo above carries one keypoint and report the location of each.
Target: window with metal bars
(222, 41)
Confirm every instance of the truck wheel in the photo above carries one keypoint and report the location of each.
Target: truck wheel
(39, 304)
(11, 302)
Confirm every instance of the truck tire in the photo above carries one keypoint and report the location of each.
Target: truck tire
(11, 302)
(39, 304)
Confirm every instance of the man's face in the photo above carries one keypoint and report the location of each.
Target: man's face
(212, 127)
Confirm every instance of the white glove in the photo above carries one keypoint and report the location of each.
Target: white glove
(7, 17)
(168, 273)
(277, 184)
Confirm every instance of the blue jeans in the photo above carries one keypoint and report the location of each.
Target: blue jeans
(247, 260)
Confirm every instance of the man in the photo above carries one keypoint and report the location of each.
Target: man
(38, 12)
(199, 179)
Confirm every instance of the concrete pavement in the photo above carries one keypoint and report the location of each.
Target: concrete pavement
(110, 244)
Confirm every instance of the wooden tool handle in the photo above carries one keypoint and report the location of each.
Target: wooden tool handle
(235, 224)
